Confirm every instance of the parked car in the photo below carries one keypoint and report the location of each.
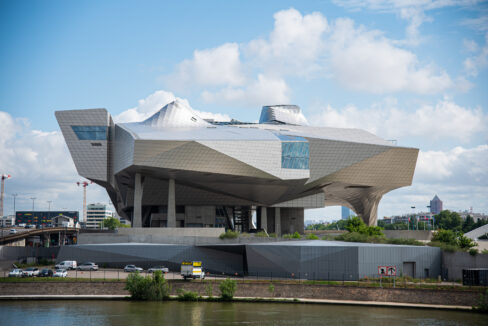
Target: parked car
(67, 264)
(13, 231)
(46, 273)
(158, 268)
(16, 272)
(132, 268)
(88, 266)
(60, 273)
(31, 272)
(30, 226)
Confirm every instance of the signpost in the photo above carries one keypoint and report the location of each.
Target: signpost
(387, 271)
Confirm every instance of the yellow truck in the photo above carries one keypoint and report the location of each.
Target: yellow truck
(192, 269)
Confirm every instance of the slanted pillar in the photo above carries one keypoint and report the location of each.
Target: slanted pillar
(138, 189)
(171, 204)
(277, 221)
(264, 218)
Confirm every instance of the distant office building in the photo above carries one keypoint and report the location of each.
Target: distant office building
(435, 205)
(346, 213)
(42, 217)
(6, 221)
(95, 214)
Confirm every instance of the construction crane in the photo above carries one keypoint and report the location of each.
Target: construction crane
(84, 184)
(2, 196)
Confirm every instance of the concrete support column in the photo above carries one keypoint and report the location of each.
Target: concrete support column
(264, 218)
(138, 190)
(171, 204)
(277, 221)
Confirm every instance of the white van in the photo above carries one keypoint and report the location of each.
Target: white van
(67, 264)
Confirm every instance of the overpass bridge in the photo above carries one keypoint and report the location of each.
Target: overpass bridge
(59, 232)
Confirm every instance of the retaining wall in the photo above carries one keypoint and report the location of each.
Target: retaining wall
(259, 290)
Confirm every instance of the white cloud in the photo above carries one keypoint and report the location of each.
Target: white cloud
(264, 90)
(479, 23)
(458, 176)
(156, 101)
(41, 167)
(478, 62)
(365, 60)
(444, 120)
(293, 46)
(209, 67)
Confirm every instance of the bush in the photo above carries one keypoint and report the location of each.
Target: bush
(229, 234)
(445, 236)
(209, 290)
(272, 235)
(444, 246)
(482, 303)
(473, 251)
(261, 234)
(271, 288)
(153, 288)
(312, 236)
(227, 289)
(465, 243)
(187, 295)
(356, 225)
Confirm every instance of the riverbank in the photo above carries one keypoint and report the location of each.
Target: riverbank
(244, 299)
(268, 290)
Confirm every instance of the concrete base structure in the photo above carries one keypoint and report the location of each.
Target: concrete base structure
(314, 260)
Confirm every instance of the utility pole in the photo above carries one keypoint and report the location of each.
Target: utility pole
(49, 209)
(84, 184)
(2, 195)
(33, 200)
(15, 196)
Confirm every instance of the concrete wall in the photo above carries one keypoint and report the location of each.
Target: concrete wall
(258, 290)
(409, 234)
(453, 264)
(292, 220)
(8, 253)
(427, 260)
(177, 232)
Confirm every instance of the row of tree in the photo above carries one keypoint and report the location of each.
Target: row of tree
(445, 220)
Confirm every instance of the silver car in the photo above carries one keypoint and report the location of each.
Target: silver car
(89, 266)
(162, 269)
(132, 268)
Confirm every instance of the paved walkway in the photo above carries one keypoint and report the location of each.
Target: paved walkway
(292, 300)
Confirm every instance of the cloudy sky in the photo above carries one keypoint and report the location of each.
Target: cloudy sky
(412, 71)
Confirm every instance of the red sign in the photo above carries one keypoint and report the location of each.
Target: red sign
(387, 270)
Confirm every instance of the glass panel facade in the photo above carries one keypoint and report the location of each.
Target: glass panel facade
(90, 132)
(295, 155)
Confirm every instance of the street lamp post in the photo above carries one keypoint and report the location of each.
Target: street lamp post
(413, 215)
(33, 200)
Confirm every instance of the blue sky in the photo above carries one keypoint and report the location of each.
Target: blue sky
(412, 72)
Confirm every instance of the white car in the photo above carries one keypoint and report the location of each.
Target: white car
(30, 272)
(67, 264)
(60, 273)
(158, 268)
(13, 231)
(132, 268)
(16, 272)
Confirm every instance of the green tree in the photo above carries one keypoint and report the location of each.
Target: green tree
(445, 236)
(112, 223)
(468, 224)
(154, 288)
(448, 220)
(355, 224)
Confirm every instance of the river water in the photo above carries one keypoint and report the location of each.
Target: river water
(121, 313)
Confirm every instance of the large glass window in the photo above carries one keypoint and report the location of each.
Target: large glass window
(295, 155)
(90, 132)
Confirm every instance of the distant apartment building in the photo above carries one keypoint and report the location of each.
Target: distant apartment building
(435, 205)
(346, 213)
(95, 214)
(6, 221)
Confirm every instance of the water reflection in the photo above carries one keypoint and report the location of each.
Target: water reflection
(121, 313)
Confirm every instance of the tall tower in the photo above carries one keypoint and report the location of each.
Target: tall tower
(435, 205)
(2, 196)
(84, 184)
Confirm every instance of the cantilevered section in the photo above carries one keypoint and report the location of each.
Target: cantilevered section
(176, 169)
